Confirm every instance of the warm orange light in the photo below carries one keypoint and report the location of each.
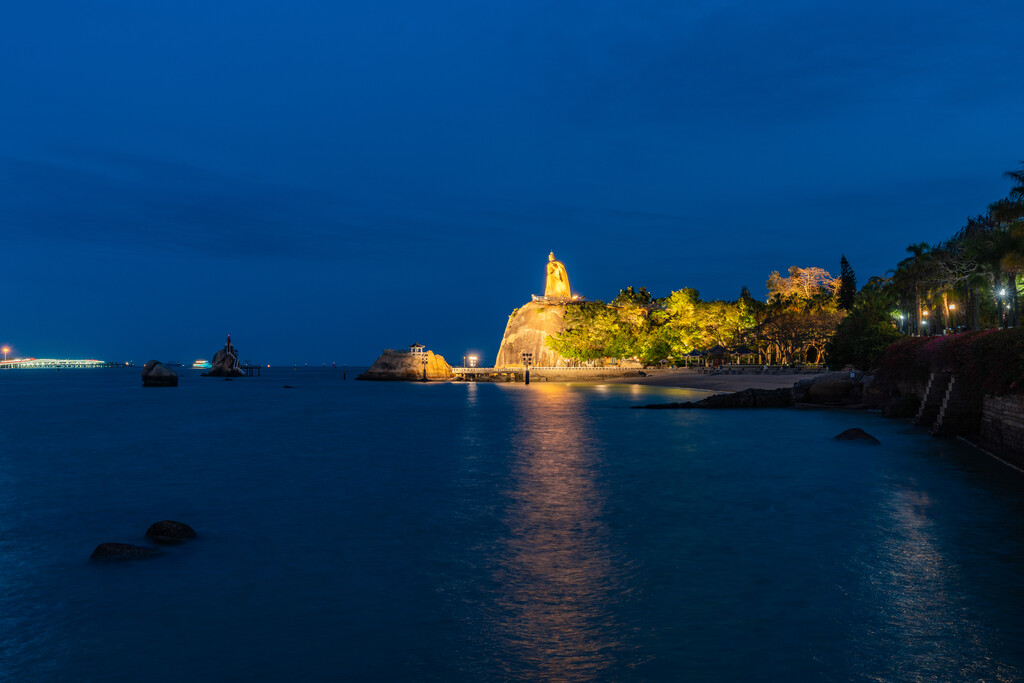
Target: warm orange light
(952, 307)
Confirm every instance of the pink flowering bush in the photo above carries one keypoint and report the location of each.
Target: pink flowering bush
(987, 362)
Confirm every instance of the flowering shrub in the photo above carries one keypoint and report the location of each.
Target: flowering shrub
(904, 360)
(990, 362)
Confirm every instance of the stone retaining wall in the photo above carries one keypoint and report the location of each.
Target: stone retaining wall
(1002, 422)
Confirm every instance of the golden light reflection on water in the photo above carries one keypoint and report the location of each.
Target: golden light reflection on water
(555, 567)
(926, 639)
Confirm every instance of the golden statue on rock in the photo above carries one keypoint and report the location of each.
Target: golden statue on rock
(557, 285)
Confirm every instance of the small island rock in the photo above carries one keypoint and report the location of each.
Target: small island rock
(225, 362)
(169, 532)
(854, 434)
(156, 374)
(123, 551)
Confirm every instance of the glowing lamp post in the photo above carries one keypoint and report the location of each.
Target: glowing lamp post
(472, 361)
(5, 353)
(423, 362)
(527, 362)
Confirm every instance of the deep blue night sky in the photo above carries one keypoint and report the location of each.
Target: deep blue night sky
(326, 180)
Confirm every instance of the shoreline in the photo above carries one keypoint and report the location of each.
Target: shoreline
(716, 383)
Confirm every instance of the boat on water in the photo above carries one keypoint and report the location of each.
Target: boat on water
(202, 365)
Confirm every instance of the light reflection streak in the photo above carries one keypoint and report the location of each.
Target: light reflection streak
(924, 624)
(555, 568)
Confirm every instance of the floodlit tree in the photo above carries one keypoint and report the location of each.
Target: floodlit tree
(802, 282)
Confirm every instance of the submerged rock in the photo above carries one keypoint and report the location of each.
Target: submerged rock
(854, 434)
(124, 551)
(156, 374)
(169, 532)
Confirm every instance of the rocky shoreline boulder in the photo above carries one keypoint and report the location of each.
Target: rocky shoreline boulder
(748, 398)
(831, 389)
(156, 374)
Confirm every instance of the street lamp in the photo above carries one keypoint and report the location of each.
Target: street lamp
(5, 353)
(472, 361)
(527, 362)
(423, 361)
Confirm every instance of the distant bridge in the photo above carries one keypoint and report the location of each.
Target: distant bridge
(29, 363)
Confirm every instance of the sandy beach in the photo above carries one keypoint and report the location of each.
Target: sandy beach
(692, 380)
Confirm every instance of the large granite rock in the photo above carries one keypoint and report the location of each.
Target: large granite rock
(405, 366)
(526, 331)
(156, 374)
(225, 363)
(833, 388)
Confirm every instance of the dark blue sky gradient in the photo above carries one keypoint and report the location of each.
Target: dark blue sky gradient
(325, 180)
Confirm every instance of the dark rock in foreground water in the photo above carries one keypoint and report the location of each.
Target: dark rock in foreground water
(169, 532)
(124, 551)
(855, 433)
(748, 398)
(156, 374)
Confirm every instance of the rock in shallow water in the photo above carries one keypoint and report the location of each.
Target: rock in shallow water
(169, 532)
(854, 434)
(156, 374)
(124, 551)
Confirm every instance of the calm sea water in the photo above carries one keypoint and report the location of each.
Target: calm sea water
(391, 531)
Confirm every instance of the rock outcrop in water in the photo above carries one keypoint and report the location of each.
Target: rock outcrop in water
(855, 434)
(225, 362)
(156, 374)
(400, 365)
(526, 331)
(748, 398)
(169, 532)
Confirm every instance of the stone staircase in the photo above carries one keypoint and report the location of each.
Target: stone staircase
(931, 402)
(946, 409)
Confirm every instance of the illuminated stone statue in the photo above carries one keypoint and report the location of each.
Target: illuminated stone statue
(557, 285)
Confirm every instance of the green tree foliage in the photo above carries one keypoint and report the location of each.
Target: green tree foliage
(640, 297)
(634, 325)
(592, 331)
(865, 333)
(847, 285)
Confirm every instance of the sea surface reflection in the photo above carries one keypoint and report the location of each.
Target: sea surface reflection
(555, 567)
(463, 532)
